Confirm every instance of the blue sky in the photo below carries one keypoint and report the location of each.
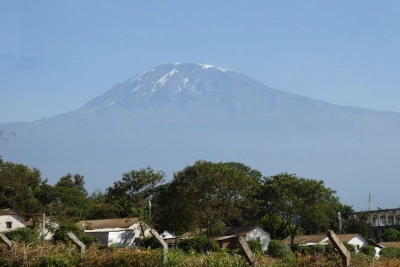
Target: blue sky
(57, 55)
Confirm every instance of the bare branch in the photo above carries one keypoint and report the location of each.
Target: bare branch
(4, 135)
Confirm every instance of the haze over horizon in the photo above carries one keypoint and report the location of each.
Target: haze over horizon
(57, 56)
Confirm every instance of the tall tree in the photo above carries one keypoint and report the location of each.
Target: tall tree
(132, 193)
(18, 187)
(67, 199)
(297, 202)
(207, 196)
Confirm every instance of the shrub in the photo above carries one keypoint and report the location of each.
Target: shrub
(197, 243)
(255, 245)
(369, 251)
(23, 235)
(390, 235)
(349, 247)
(277, 249)
(60, 235)
(390, 252)
(318, 249)
(150, 242)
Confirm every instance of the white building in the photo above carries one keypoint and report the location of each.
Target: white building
(11, 220)
(120, 231)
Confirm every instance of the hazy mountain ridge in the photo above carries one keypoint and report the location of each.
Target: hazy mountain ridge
(174, 114)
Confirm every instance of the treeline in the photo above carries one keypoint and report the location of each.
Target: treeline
(205, 196)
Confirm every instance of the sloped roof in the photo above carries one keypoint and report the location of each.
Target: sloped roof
(238, 230)
(108, 223)
(10, 212)
(315, 239)
(304, 239)
(346, 237)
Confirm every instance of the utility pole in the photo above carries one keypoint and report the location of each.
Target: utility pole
(149, 209)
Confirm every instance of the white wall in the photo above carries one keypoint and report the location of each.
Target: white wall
(17, 221)
(138, 231)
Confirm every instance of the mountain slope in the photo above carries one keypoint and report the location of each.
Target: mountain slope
(171, 115)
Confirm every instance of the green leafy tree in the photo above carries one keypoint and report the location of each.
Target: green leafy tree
(390, 235)
(206, 196)
(359, 224)
(298, 202)
(18, 187)
(98, 208)
(67, 200)
(345, 213)
(132, 194)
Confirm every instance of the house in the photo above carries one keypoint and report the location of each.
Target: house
(120, 231)
(231, 235)
(356, 240)
(35, 222)
(11, 220)
(121, 237)
(169, 239)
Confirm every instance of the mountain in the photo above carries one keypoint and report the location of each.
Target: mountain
(172, 115)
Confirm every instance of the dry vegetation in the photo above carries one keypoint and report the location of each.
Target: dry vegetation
(65, 256)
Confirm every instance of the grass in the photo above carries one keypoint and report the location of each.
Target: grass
(60, 255)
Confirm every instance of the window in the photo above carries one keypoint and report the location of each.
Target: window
(8, 224)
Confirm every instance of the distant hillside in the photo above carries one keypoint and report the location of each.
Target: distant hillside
(171, 115)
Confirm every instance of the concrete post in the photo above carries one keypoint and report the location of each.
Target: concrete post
(6, 240)
(379, 218)
(386, 218)
(394, 217)
(346, 257)
(77, 242)
(248, 254)
(155, 234)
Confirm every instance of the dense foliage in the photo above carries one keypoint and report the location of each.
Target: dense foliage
(203, 198)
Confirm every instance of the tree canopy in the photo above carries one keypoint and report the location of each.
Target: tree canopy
(206, 196)
(293, 203)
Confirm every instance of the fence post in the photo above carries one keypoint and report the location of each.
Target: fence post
(155, 234)
(77, 242)
(248, 254)
(6, 240)
(340, 247)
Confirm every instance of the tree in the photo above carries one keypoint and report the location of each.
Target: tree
(77, 181)
(297, 203)
(67, 199)
(359, 224)
(345, 213)
(390, 235)
(18, 187)
(206, 196)
(132, 194)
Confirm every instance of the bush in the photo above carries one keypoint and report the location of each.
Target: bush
(60, 235)
(150, 242)
(349, 247)
(23, 235)
(369, 251)
(277, 249)
(255, 245)
(197, 243)
(390, 252)
(390, 235)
